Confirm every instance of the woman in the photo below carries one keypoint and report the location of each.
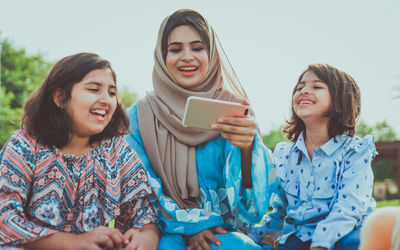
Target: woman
(206, 183)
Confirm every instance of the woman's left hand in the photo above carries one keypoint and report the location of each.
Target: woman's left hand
(239, 131)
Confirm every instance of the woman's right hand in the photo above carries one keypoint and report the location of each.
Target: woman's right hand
(201, 240)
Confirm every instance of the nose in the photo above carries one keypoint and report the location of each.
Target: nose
(305, 90)
(105, 97)
(187, 55)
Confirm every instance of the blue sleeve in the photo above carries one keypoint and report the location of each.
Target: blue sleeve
(272, 222)
(264, 182)
(172, 219)
(353, 197)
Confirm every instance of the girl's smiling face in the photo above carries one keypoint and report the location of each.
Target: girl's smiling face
(312, 98)
(187, 57)
(92, 104)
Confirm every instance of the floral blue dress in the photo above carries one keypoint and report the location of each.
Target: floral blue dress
(222, 200)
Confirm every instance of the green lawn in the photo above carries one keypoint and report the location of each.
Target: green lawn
(387, 203)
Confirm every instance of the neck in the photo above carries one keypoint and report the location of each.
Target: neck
(316, 136)
(78, 146)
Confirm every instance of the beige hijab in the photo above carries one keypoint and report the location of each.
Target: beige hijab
(170, 146)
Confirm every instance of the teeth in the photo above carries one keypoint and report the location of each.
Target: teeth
(305, 102)
(99, 112)
(188, 68)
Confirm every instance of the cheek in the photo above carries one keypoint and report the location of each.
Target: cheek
(170, 61)
(114, 106)
(204, 62)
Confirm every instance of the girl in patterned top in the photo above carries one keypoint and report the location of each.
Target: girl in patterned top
(325, 173)
(67, 172)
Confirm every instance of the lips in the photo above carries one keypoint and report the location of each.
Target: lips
(188, 70)
(99, 114)
(305, 101)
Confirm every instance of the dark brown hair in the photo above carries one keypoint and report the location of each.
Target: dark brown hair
(346, 103)
(51, 124)
(185, 17)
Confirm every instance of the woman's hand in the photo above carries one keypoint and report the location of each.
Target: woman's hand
(268, 239)
(200, 241)
(146, 238)
(239, 131)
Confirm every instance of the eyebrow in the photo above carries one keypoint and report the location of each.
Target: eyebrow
(303, 82)
(113, 86)
(179, 43)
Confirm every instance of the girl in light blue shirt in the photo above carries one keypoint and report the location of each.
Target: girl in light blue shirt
(325, 172)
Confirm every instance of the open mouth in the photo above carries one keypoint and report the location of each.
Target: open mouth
(305, 102)
(188, 69)
(99, 112)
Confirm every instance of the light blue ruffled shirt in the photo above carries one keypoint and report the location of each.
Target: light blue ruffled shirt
(222, 200)
(324, 199)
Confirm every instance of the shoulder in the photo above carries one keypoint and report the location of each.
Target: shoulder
(20, 147)
(21, 139)
(132, 110)
(358, 145)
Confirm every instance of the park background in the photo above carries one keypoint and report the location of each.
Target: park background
(269, 43)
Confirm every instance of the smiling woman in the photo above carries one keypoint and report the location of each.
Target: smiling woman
(187, 58)
(208, 184)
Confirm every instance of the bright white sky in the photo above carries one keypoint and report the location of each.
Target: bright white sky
(268, 42)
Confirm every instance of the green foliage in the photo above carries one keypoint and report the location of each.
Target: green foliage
(274, 137)
(397, 89)
(382, 131)
(20, 75)
(387, 203)
(127, 97)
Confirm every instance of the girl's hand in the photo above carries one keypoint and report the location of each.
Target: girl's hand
(99, 238)
(145, 239)
(239, 131)
(200, 241)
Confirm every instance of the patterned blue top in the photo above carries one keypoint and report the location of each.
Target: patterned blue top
(324, 199)
(222, 200)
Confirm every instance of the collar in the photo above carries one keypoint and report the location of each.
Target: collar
(328, 148)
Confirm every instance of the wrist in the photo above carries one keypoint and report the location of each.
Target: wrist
(151, 228)
(58, 240)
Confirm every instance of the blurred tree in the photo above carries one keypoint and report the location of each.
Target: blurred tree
(20, 75)
(274, 137)
(382, 132)
(127, 96)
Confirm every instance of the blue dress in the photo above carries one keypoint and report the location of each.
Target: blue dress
(222, 200)
(324, 199)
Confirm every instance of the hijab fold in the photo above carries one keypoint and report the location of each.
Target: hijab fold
(170, 146)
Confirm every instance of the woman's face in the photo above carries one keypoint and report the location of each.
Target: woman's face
(187, 57)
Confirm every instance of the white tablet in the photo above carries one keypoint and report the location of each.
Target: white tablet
(202, 112)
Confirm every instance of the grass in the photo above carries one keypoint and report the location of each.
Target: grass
(388, 203)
